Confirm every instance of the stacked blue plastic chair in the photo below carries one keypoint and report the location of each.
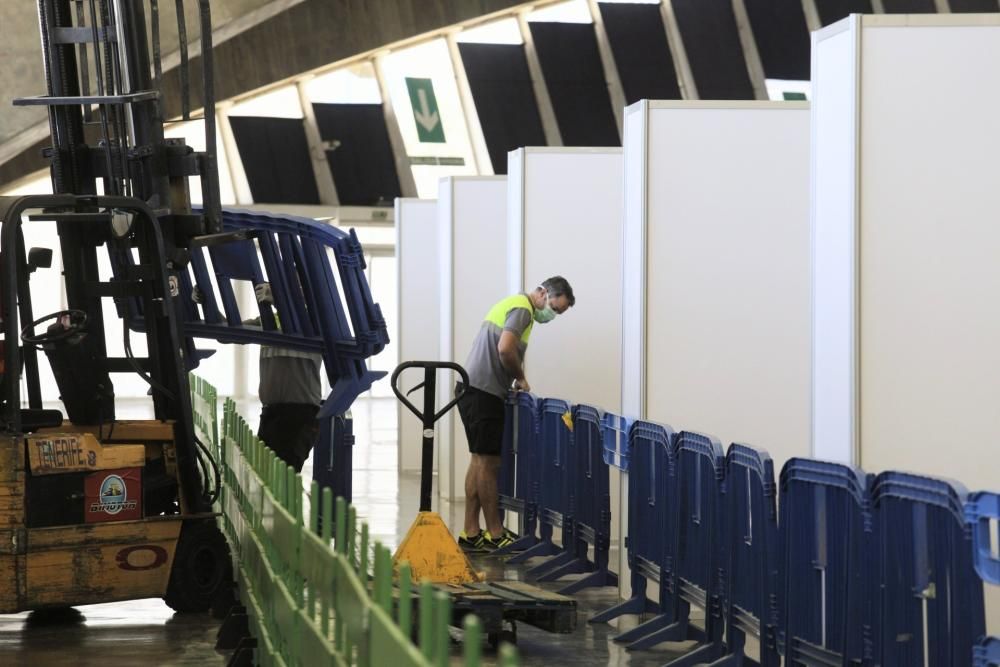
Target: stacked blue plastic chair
(555, 495)
(751, 529)
(931, 608)
(826, 533)
(651, 470)
(981, 510)
(518, 482)
(592, 507)
(616, 446)
(321, 304)
(986, 652)
(618, 453)
(693, 565)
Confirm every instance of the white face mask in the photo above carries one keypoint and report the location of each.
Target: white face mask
(545, 313)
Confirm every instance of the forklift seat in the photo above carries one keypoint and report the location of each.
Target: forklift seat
(34, 419)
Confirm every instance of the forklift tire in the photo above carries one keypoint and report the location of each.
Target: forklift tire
(203, 568)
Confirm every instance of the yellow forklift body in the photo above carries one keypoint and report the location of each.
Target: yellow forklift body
(101, 562)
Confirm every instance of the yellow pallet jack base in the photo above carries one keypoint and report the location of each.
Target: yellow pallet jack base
(433, 553)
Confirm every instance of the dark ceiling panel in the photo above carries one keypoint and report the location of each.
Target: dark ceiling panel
(574, 76)
(831, 11)
(708, 30)
(505, 99)
(782, 37)
(642, 53)
(362, 163)
(275, 157)
(909, 6)
(959, 6)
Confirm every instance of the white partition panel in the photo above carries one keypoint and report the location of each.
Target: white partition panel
(726, 228)
(565, 210)
(919, 196)
(472, 228)
(419, 312)
(834, 135)
(919, 201)
(716, 323)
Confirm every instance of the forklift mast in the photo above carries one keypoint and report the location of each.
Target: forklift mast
(106, 113)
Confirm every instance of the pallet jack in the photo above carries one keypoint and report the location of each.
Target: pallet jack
(434, 555)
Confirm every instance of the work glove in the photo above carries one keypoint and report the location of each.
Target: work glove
(263, 293)
(197, 295)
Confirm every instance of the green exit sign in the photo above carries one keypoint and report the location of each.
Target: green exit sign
(425, 110)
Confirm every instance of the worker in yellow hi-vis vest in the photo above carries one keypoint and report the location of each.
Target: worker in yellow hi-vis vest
(495, 366)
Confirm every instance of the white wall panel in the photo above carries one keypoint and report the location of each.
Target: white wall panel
(727, 272)
(922, 205)
(472, 219)
(418, 313)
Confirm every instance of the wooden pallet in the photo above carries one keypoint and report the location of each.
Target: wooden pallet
(497, 601)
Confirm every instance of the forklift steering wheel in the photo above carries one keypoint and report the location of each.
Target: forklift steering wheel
(76, 325)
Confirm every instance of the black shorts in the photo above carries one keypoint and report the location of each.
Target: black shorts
(290, 429)
(483, 416)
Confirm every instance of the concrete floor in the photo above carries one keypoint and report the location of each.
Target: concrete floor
(147, 632)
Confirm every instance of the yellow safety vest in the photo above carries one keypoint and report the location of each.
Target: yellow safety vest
(498, 313)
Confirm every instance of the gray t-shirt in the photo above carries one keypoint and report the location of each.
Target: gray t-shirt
(289, 376)
(486, 373)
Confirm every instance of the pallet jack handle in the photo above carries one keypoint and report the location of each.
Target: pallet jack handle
(428, 417)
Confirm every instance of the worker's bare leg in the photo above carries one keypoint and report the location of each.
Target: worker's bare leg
(472, 502)
(489, 499)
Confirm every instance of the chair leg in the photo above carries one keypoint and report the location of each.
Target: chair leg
(654, 624)
(575, 566)
(674, 632)
(635, 605)
(541, 549)
(700, 655)
(597, 578)
(556, 561)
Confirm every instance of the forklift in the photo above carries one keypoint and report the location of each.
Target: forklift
(94, 508)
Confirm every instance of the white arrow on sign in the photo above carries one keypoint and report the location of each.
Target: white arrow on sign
(424, 116)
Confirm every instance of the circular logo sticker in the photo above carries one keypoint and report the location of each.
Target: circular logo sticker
(112, 494)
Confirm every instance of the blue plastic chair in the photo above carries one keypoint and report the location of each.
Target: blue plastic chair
(518, 482)
(320, 293)
(980, 509)
(650, 447)
(751, 530)
(320, 297)
(931, 608)
(986, 652)
(616, 446)
(555, 498)
(827, 546)
(592, 505)
(693, 566)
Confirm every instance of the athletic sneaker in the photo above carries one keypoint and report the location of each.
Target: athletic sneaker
(478, 542)
(506, 538)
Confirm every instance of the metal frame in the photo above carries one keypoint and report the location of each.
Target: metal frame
(317, 151)
(546, 111)
(682, 66)
(615, 90)
(473, 128)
